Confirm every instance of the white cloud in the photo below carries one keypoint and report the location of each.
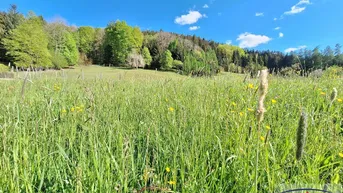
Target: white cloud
(205, 6)
(205, 16)
(191, 18)
(229, 42)
(277, 28)
(297, 9)
(248, 40)
(307, 2)
(275, 18)
(281, 35)
(288, 50)
(192, 28)
(259, 14)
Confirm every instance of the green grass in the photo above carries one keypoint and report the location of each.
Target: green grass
(128, 126)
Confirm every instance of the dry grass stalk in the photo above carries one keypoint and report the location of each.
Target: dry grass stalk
(263, 92)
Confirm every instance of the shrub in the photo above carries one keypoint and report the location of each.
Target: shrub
(333, 72)
(135, 60)
(4, 68)
(177, 64)
(59, 61)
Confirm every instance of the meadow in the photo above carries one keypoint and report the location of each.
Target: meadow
(96, 129)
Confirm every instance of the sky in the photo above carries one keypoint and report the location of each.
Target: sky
(281, 25)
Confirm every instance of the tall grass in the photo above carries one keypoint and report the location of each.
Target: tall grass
(165, 134)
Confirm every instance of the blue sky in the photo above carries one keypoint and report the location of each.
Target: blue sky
(246, 23)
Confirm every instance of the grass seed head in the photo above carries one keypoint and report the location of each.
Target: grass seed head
(333, 95)
(301, 135)
(263, 92)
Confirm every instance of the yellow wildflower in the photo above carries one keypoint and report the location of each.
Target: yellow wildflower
(171, 182)
(72, 109)
(171, 109)
(340, 155)
(274, 101)
(340, 100)
(262, 138)
(167, 169)
(233, 104)
(268, 127)
(241, 114)
(250, 110)
(251, 86)
(64, 111)
(322, 93)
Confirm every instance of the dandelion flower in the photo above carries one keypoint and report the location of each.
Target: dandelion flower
(251, 86)
(64, 111)
(72, 109)
(171, 109)
(167, 169)
(268, 127)
(340, 155)
(262, 138)
(339, 100)
(250, 110)
(322, 93)
(274, 101)
(241, 114)
(172, 182)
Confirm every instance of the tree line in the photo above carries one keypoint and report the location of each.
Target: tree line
(32, 42)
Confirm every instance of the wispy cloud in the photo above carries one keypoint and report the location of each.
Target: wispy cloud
(277, 28)
(298, 8)
(281, 35)
(193, 28)
(229, 42)
(248, 40)
(205, 6)
(275, 18)
(288, 50)
(191, 18)
(259, 14)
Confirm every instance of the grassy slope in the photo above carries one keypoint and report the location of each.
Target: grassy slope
(101, 134)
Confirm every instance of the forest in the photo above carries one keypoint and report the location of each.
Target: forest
(32, 42)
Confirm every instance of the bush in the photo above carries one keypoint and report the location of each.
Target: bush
(59, 61)
(135, 60)
(177, 64)
(4, 68)
(333, 72)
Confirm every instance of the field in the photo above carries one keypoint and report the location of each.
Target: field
(101, 129)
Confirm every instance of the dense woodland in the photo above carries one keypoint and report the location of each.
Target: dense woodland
(32, 42)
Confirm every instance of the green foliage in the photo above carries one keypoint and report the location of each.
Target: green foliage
(166, 60)
(228, 54)
(62, 42)
(58, 61)
(28, 44)
(120, 40)
(177, 64)
(201, 64)
(146, 55)
(4, 68)
(70, 51)
(333, 72)
(86, 36)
